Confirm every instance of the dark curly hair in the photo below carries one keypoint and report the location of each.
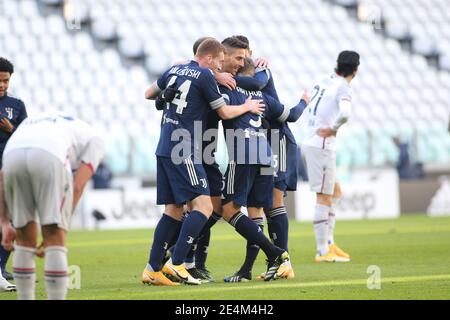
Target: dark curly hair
(6, 66)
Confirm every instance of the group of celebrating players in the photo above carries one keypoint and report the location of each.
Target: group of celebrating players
(49, 158)
(223, 83)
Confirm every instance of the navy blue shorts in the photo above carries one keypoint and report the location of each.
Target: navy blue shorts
(286, 177)
(177, 184)
(245, 186)
(291, 166)
(214, 178)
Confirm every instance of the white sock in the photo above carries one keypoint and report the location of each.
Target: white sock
(149, 268)
(56, 279)
(332, 220)
(189, 265)
(321, 228)
(331, 224)
(24, 272)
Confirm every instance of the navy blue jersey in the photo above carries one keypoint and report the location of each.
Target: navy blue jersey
(210, 143)
(14, 110)
(284, 159)
(276, 113)
(188, 110)
(289, 135)
(262, 81)
(247, 129)
(265, 76)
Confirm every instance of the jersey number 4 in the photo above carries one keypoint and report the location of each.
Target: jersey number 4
(180, 98)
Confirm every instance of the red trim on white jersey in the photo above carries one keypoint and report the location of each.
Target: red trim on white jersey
(323, 183)
(61, 206)
(90, 167)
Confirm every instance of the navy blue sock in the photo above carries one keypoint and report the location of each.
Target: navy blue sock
(250, 231)
(4, 256)
(164, 232)
(190, 256)
(192, 226)
(201, 252)
(203, 241)
(252, 250)
(278, 224)
(177, 233)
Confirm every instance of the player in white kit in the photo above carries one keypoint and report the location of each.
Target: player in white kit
(46, 165)
(329, 109)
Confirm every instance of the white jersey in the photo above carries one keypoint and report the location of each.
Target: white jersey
(70, 140)
(323, 110)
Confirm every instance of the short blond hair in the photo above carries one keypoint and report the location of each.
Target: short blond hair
(210, 46)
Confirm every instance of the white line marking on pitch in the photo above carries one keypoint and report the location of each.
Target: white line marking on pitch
(272, 285)
(293, 235)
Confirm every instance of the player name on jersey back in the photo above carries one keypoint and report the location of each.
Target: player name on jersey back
(185, 117)
(245, 137)
(185, 71)
(248, 93)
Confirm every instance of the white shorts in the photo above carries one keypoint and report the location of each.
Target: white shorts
(38, 187)
(321, 168)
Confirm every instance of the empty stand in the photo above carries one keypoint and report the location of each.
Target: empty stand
(395, 93)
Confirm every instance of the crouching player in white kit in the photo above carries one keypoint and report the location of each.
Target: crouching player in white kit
(328, 110)
(39, 187)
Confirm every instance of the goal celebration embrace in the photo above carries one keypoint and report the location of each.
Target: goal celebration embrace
(217, 86)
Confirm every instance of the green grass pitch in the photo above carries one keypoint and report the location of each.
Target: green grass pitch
(413, 254)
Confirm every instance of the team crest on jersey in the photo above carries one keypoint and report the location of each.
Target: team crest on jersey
(256, 124)
(204, 182)
(190, 240)
(9, 112)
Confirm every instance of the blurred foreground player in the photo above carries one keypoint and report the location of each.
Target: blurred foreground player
(12, 113)
(329, 109)
(38, 163)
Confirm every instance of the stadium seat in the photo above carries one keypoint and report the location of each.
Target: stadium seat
(444, 61)
(52, 2)
(131, 48)
(104, 30)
